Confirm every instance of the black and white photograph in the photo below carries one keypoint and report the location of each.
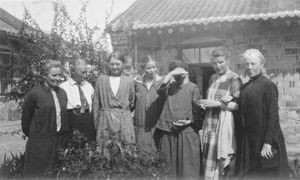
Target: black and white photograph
(150, 89)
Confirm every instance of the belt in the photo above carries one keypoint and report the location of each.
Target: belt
(115, 109)
(79, 111)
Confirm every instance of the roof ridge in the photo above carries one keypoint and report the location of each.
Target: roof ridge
(10, 19)
(167, 13)
(228, 18)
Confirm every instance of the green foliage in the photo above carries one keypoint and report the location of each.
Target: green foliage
(120, 160)
(79, 159)
(12, 167)
(295, 168)
(67, 40)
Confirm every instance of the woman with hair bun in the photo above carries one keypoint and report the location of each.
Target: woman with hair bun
(262, 151)
(219, 141)
(44, 121)
(113, 102)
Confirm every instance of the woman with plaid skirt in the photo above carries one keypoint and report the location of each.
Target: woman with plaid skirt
(219, 143)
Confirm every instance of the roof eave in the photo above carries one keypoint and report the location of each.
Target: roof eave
(206, 21)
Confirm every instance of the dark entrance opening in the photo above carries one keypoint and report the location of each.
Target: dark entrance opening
(199, 74)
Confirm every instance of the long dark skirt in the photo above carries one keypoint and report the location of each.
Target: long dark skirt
(182, 152)
(145, 140)
(249, 163)
(40, 154)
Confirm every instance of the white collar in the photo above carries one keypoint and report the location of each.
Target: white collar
(73, 82)
(156, 78)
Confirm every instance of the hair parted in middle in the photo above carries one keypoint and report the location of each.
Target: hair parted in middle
(254, 53)
(117, 55)
(49, 64)
(220, 51)
(146, 60)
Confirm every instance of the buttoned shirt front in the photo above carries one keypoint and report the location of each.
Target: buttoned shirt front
(57, 108)
(71, 88)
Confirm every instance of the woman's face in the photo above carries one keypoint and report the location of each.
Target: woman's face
(53, 77)
(150, 69)
(219, 64)
(253, 66)
(115, 67)
(179, 77)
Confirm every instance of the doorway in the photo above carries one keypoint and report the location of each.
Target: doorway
(200, 74)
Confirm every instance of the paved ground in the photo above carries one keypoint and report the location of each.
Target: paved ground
(11, 140)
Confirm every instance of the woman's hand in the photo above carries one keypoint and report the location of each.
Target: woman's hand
(205, 103)
(182, 122)
(266, 151)
(178, 71)
(170, 76)
(226, 99)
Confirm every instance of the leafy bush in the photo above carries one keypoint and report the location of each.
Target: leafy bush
(67, 40)
(119, 160)
(12, 167)
(295, 168)
(81, 160)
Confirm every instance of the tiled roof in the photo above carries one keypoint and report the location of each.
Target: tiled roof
(8, 22)
(145, 14)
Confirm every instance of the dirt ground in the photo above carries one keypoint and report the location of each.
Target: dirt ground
(11, 140)
(11, 144)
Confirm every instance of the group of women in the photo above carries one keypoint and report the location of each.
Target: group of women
(241, 135)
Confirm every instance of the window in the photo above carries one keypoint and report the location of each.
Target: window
(5, 59)
(197, 55)
(191, 55)
(206, 54)
(5, 73)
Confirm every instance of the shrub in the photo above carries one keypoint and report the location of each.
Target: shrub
(67, 40)
(119, 160)
(295, 168)
(12, 167)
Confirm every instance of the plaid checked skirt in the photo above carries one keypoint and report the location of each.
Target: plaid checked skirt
(210, 137)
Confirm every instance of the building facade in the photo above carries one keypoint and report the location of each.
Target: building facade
(189, 30)
(9, 27)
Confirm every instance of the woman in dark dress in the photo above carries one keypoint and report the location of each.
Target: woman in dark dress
(262, 149)
(179, 124)
(148, 105)
(44, 121)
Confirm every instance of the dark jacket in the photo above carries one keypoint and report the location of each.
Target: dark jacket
(258, 114)
(39, 124)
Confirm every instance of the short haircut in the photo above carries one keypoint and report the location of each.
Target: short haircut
(117, 55)
(49, 64)
(254, 53)
(220, 51)
(146, 60)
(76, 62)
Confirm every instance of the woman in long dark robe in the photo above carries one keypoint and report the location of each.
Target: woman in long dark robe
(44, 122)
(262, 149)
(148, 106)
